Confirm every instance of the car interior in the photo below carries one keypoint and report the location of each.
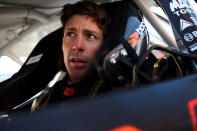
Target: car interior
(149, 108)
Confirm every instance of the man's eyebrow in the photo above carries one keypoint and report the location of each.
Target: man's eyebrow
(85, 30)
(90, 31)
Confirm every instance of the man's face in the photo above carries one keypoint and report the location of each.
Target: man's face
(82, 38)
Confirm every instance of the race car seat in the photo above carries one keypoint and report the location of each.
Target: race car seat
(35, 73)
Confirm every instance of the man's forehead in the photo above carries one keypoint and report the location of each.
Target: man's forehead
(82, 23)
(80, 19)
(84, 29)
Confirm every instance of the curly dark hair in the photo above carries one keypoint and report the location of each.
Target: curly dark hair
(86, 8)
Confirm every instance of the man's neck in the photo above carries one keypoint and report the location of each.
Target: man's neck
(71, 81)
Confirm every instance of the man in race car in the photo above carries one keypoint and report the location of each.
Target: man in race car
(85, 27)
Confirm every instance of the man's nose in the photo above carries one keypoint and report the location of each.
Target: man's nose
(79, 44)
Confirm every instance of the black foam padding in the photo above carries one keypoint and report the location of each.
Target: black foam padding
(32, 78)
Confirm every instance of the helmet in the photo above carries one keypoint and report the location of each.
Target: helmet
(126, 41)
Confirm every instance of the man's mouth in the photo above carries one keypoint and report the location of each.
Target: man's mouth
(78, 62)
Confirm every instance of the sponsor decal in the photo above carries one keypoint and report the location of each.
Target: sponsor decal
(179, 7)
(194, 20)
(142, 30)
(195, 34)
(193, 47)
(184, 24)
(134, 39)
(34, 59)
(183, 11)
(69, 91)
(189, 37)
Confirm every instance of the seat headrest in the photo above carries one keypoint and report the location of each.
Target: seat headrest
(36, 72)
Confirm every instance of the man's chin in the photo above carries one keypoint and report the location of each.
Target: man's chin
(78, 76)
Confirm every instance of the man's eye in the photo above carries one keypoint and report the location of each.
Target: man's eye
(70, 34)
(91, 36)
